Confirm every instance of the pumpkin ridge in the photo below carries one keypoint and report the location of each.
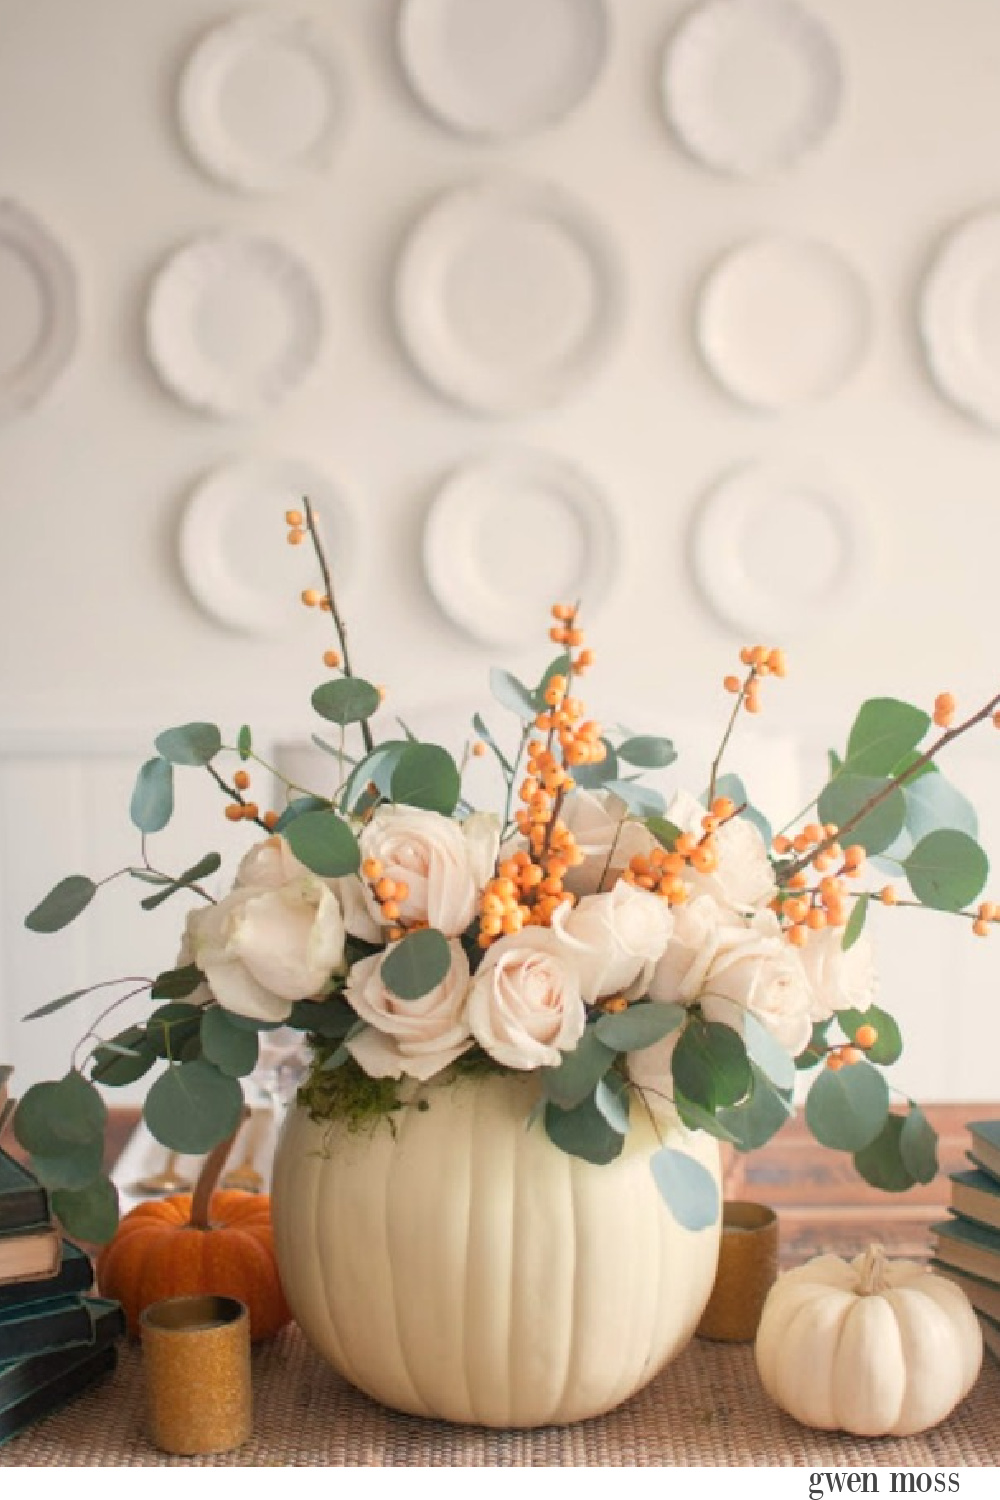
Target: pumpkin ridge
(327, 1165)
(405, 1126)
(574, 1321)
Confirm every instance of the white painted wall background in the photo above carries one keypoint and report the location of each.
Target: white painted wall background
(101, 643)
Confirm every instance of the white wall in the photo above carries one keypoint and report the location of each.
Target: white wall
(102, 644)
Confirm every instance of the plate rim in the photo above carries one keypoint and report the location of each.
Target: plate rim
(584, 491)
(161, 337)
(733, 161)
(711, 285)
(408, 18)
(31, 238)
(202, 502)
(409, 293)
(234, 167)
(761, 611)
(936, 322)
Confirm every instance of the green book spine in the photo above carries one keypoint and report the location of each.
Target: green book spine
(57, 1392)
(43, 1326)
(22, 1376)
(24, 1203)
(74, 1275)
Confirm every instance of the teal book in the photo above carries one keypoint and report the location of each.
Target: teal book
(984, 1295)
(24, 1203)
(985, 1150)
(60, 1388)
(976, 1195)
(968, 1246)
(23, 1376)
(74, 1274)
(40, 1327)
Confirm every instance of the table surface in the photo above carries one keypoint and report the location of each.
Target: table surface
(706, 1408)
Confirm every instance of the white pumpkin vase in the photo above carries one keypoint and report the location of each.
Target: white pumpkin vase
(463, 1267)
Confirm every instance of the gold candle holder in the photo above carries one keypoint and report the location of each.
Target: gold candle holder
(748, 1268)
(196, 1354)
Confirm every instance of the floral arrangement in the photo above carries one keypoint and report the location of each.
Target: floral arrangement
(677, 957)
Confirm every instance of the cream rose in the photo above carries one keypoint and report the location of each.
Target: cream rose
(271, 864)
(838, 980)
(444, 864)
(416, 1037)
(525, 1006)
(756, 970)
(744, 879)
(613, 940)
(606, 836)
(261, 949)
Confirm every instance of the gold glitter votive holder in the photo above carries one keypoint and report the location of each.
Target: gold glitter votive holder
(748, 1268)
(196, 1357)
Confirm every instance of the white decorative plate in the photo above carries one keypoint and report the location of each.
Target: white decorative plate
(507, 295)
(502, 68)
(751, 85)
(261, 101)
(783, 321)
(234, 322)
(960, 318)
(38, 309)
(233, 549)
(778, 549)
(508, 535)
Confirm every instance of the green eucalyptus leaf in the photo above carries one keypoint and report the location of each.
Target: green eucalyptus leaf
(664, 832)
(177, 984)
(325, 844)
(641, 801)
(611, 1099)
(64, 902)
(815, 1050)
(688, 1189)
(594, 777)
(297, 807)
(583, 1131)
(54, 1005)
(190, 744)
(122, 1061)
(918, 1145)
(55, 1118)
(946, 870)
(884, 731)
(888, 1045)
(376, 769)
(244, 741)
(847, 1109)
(426, 776)
(649, 751)
(642, 1025)
(331, 1019)
(72, 1168)
(560, 667)
(855, 922)
(754, 1122)
(731, 786)
(233, 1049)
(710, 1065)
(192, 1107)
(346, 700)
(509, 691)
(153, 797)
(771, 1059)
(881, 1163)
(841, 800)
(416, 964)
(576, 1077)
(695, 1118)
(88, 1213)
(171, 1026)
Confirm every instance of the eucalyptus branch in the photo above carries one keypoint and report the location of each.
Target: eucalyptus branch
(234, 795)
(335, 614)
(145, 984)
(893, 782)
(525, 737)
(187, 885)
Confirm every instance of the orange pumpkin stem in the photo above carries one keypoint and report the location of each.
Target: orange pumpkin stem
(201, 1201)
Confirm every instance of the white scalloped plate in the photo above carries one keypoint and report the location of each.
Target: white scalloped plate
(38, 309)
(261, 102)
(502, 68)
(960, 318)
(783, 321)
(233, 550)
(751, 85)
(508, 535)
(234, 323)
(507, 295)
(779, 549)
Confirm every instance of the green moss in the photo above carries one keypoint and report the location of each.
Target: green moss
(346, 1093)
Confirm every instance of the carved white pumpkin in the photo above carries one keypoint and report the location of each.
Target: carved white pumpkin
(871, 1347)
(465, 1268)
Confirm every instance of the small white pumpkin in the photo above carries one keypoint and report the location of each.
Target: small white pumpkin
(872, 1346)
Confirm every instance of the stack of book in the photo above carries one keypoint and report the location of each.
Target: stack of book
(56, 1339)
(966, 1246)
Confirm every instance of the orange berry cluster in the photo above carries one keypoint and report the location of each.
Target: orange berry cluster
(804, 908)
(388, 893)
(846, 1056)
(763, 661)
(662, 870)
(247, 811)
(986, 913)
(566, 632)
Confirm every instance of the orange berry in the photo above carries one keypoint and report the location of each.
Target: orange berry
(813, 833)
(776, 661)
(981, 928)
(390, 911)
(324, 603)
(751, 700)
(311, 597)
(988, 911)
(887, 895)
(731, 684)
(850, 1055)
(798, 936)
(296, 537)
(234, 811)
(996, 719)
(866, 1036)
(816, 919)
(781, 843)
(834, 1061)
(944, 709)
(385, 889)
(746, 656)
(562, 612)
(855, 856)
(478, 748)
(558, 633)
(372, 869)
(331, 658)
(251, 811)
(294, 518)
(723, 808)
(270, 818)
(242, 780)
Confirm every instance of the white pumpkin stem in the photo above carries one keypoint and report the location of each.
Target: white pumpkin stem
(201, 1200)
(871, 1278)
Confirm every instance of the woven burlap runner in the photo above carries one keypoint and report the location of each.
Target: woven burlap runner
(707, 1408)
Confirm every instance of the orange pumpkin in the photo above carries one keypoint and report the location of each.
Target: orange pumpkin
(206, 1243)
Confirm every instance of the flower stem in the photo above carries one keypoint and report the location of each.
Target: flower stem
(741, 696)
(338, 621)
(201, 1202)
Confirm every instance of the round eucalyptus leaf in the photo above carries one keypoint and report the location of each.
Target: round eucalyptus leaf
(881, 1163)
(346, 700)
(918, 1146)
(89, 1213)
(884, 731)
(64, 902)
(72, 1168)
(611, 1098)
(192, 1107)
(232, 1048)
(710, 1065)
(577, 1075)
(642, 1025)
(324, 843)
(888, 1045)
(584, 1132)
(153, 797)
(649, 751)
(688, 1189)
(947, 869)
(52, 1118)
(426, 776)
(847, 1109)
(114, 1069)
(189, 744)
(416, 964)
(843, 798)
